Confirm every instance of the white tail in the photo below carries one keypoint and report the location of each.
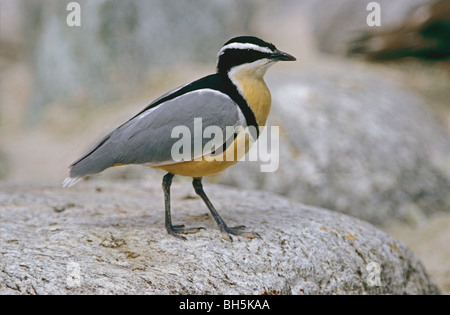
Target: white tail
(70, 181)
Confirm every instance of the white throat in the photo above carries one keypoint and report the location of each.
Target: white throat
(254, 70)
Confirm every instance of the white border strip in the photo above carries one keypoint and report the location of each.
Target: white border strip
(245, 46)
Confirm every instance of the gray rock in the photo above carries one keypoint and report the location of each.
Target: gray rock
(353, 141)
(107, 238)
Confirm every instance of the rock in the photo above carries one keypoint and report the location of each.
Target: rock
(108, 238)
(353, 141)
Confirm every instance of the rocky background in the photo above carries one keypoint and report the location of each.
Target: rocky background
(368, 139)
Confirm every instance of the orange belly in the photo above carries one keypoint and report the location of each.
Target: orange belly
(196, 168)
(210, 165)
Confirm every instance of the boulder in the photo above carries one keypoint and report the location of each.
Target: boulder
(104, 238)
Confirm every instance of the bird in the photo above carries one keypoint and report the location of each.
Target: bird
(235, 95)
(423, 34)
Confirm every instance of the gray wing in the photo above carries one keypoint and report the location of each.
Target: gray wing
(148, 138)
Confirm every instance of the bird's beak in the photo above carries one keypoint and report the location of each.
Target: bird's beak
(282, 56)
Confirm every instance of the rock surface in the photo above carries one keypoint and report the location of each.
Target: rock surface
(108, 238)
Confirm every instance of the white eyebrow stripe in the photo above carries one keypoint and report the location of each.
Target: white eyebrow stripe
(245, 46)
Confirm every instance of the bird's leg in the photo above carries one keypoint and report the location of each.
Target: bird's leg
(224, 229)
(173, 229)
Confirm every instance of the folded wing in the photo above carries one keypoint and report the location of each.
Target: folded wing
(147, 137)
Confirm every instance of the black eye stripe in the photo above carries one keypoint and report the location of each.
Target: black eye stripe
(234, 57)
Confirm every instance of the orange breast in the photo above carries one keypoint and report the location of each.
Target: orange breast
(210, 165)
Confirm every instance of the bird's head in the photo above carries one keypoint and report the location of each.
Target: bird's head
(248, 53)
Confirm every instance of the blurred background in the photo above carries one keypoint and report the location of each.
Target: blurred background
(364, 113)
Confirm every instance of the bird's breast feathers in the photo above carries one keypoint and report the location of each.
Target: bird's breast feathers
(249, 80)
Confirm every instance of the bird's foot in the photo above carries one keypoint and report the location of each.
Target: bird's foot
(238, 231)
(176, 230)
